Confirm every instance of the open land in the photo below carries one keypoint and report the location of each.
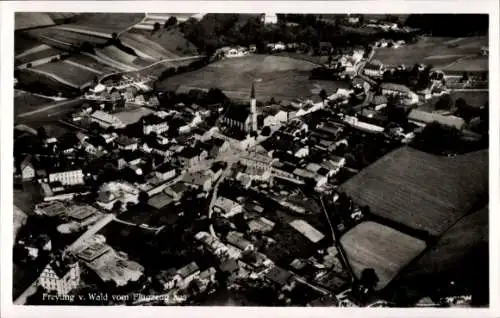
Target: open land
(25, 102)
(70, 73)
(64, 36)
(420, 190)
(387, 251)
(171, 40)
(436, 51)
(48, 52)
(105, 22)
(44, 84)
(280, 77)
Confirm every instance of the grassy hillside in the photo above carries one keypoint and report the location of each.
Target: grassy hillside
(280, 77)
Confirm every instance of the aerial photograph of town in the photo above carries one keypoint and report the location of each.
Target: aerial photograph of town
(240, 159)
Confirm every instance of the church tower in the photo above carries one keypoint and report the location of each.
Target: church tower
(253, 108)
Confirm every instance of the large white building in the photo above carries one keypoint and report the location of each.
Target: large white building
(70, 177)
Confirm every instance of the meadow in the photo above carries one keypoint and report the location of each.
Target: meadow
(436, 51)
(280, 77)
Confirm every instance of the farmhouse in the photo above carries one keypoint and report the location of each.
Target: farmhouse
(423, 118)
(429, 194)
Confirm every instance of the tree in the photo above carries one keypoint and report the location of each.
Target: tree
(465, 77)
(444, 102)
(42, 133)
(369, 279)
(114, 36)
(143, 197)
(323, 95)
(156, 27)
(117, 206)
(266, 131)
(170, 22)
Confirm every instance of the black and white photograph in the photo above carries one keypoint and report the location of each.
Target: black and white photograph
(268, 159)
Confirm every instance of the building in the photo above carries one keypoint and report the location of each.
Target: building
(190, 156)
(280, 277)
(165, 172)
(374, 69)
(269, 18)
(422, 118)
(106, 120)
(237, 117)
(154, 124)
(392, 89)
(274, 116)
(125, 143)
(227, 207)
(69, 177)
(236, 239)
(60, 276)
(27, 169)
(186, 275)
(199, 179)
(218, 146)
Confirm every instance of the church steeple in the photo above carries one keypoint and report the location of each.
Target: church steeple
(253, 108)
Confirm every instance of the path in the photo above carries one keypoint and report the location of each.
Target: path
(337, 243)
(91, 231)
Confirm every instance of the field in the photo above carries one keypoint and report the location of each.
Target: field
(105, 22)
(114, 53)
(280, 77)
(143, 46)
(469, 64)
(171, 40)
(455, 243)
(47, 52)
(67, 72)
(419, 190)
(90, 62)
(43, 84)
(25, 102)
(68, 37)
(25, 20)
(23, 43)
(387, 251)
(436, 51)
(475, 99)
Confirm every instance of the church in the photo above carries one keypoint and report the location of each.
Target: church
(242, 118)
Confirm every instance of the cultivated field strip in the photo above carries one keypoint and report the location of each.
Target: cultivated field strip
(148, 48)
(419, 190)
(69, 73)
(92, 63)
(387, 251)
(71, 38)
(39, 55)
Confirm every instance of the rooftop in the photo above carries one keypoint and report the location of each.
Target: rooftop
(187, 270)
